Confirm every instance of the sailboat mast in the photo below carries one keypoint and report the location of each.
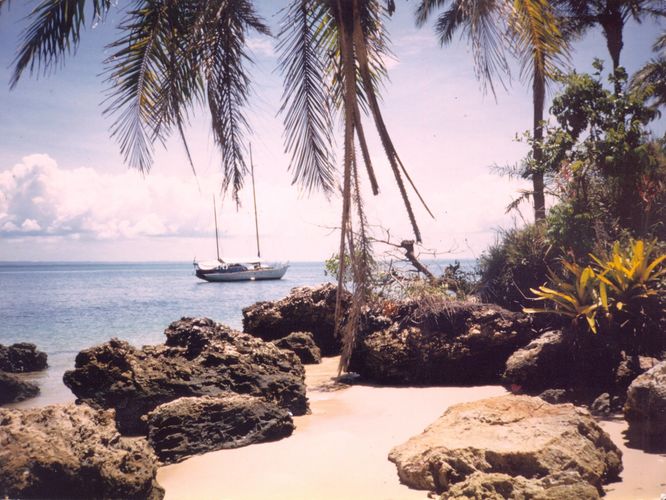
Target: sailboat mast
(217, 239)
(254, 198)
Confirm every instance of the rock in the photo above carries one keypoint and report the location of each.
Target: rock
(495, 486)
(512, 435)
(192, 425)
(21, 357)
(540, 364)
(13, 389)
(448, 343)
(585, 365)
(200, 358)
(601, 406)
(631, 367)
(309, 309)
(557, 396)
(72, 451)
(303, 345)
(645, 408)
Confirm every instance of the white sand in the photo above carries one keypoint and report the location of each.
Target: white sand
(340, 450)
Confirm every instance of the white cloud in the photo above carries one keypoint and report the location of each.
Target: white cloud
(261, 46)
(42, 199)
(85, 214)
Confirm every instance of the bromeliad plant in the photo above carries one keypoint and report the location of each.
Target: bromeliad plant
(576, 296)
(634, 279)
(629, 275)
(627, 287)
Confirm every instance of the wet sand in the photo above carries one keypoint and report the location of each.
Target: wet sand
(340, 450)
(644, 474)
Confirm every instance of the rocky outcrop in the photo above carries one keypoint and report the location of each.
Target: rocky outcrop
(540, 364)
(200, 358)
(516, 436)
(445, 343)
(13, 389)
(645, 408)
(188, 426)
(583, 368)
(21, 357)
(495, 486)
(309, 309)
(70, 451)
(303, 345)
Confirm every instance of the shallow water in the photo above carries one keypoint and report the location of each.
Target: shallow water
(67, 307)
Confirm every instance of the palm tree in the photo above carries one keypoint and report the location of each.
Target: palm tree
(652, 77)
(530, 30)
(612, 15)
(170, 56)
(173, 54)
(332, 60)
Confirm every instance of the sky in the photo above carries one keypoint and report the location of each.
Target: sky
(67, 195)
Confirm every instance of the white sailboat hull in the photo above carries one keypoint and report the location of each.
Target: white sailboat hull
(221, 274)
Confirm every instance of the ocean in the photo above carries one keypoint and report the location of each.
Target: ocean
(66, 307)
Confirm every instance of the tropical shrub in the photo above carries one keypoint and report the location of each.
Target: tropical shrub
(606, 166)
(621, 295)
(515, 264)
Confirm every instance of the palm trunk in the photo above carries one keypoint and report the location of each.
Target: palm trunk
(349, 106)
(613, 26)
(538, 98)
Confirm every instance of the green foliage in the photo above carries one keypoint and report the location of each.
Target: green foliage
(621, 294)
(332, 268)
(511, 267)
(577, 295)
(604, 164)
(458, 281)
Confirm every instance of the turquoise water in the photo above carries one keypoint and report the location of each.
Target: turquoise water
(67, 307)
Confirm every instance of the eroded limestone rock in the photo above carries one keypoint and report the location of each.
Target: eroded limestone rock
(303, 345)
(496, 486)
(193, 425)
(645, 408)
(72, 451)
(309, 309)
(447, 343)
(200, 358)
(518, 436)
(21, 357)
(13, 389)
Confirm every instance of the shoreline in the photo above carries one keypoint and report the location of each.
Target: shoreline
(340, 450)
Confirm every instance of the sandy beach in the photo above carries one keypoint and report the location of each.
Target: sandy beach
(340, 450)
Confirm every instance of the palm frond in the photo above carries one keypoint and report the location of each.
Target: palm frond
(134, 78)
(426, 8)
(54, 32)
(228, 84)
(360, 251)
(651, 79)
(660, 43)
(362, 58)
(371, 15)
(305, 42)
(537, 39)
(482, 22)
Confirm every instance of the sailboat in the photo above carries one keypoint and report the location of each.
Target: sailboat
(239, 269)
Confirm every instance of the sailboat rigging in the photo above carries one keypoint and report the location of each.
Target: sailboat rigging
(239, 270)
